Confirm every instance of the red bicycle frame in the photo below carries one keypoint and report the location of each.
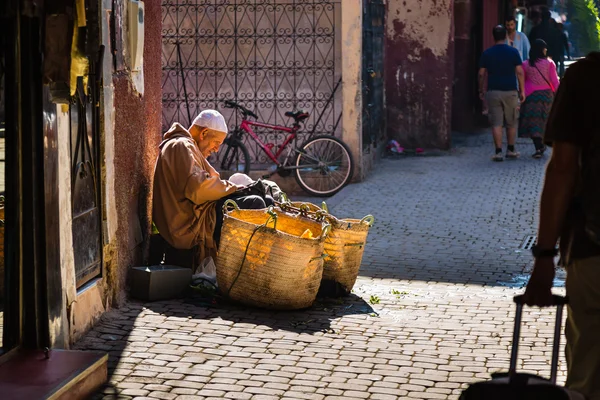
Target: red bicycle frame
(246, 126)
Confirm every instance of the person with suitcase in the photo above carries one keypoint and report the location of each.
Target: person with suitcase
(570, 211)
(523, 386)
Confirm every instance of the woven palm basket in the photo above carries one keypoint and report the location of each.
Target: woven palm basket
(344, 245)
(264, 261)
(344, 249)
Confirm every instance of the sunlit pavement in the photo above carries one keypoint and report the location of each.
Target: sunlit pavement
(431, 312)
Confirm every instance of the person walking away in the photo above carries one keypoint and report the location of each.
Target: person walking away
(570, 211)
(516, 39)
(534, 20)
(188, 192)
(503, 67)
(541, 81)
(549, 33)
(565, 50)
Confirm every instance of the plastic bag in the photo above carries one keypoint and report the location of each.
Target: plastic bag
(206, 273)
(241, 179)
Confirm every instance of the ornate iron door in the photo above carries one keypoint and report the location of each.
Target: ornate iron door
(272, 56)
(85, 157)
(84, 189)
(372, 72)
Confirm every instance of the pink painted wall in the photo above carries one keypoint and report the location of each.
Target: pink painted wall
(490, 19)
(137, 135)
(419, 72)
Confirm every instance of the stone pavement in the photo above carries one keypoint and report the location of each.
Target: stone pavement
(431, 311)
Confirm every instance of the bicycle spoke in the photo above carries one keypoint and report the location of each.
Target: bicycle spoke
(311, 157)
(327, 152)
(334, 174)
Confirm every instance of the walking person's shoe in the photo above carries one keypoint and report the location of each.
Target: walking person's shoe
(512, 154)
(498, 157)
(539, 153)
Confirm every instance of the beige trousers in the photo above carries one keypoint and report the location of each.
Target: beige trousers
(503, 108)
(583, 327)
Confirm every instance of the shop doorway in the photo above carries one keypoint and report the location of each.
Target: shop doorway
(2, 188)
(27, 123)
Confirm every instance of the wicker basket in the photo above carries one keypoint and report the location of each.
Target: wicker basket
(264, 261)
(304, 209)
(344, 248)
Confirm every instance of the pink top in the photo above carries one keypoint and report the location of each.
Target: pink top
(534, 80)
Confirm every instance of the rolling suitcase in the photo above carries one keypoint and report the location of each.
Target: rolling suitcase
(520, 386)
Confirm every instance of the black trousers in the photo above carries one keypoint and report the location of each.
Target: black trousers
(161, 250)
(187, 257)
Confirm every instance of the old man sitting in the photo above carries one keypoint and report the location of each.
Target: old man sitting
(189, 193)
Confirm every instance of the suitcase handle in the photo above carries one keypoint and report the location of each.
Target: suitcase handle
(559, 302)
(556, 300)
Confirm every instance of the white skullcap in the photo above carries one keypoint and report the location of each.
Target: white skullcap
(211, 119)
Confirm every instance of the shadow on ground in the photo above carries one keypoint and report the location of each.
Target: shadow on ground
(213, 320)
(315, 319)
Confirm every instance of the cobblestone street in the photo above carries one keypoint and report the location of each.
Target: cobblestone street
(431, 312)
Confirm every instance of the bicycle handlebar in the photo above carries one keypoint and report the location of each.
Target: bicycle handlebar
(244, 110)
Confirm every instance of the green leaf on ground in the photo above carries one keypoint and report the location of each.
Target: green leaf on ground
(399, 293)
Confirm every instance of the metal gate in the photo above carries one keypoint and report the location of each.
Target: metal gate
(372, 72)
(84, 191)
(272, 56)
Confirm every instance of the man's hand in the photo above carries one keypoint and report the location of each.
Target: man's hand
(539, 288)
(481, 96)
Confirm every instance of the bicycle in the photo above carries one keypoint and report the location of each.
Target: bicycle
(322, 165)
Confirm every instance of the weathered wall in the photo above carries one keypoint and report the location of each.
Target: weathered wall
(136, 138)
(351, 38)
(490, 18)
(131, 132)
(465, 66)
(419, 71)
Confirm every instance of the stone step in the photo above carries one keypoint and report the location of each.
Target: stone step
(65, 374)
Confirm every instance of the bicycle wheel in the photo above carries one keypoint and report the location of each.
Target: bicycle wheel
(324, 166)
(234, 157)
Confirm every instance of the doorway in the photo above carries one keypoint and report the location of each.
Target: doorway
(2, 186)
(9, 306)
(372, 73)
(26, 115)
